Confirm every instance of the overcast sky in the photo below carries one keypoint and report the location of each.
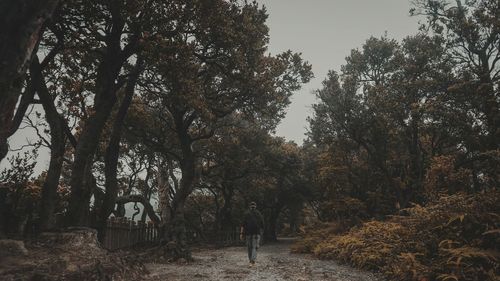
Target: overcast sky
(325, 31)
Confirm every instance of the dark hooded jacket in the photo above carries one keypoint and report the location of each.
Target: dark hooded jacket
(253, 222)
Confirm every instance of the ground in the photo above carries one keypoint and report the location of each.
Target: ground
(73, 255)
(76, 255)
(274, 262)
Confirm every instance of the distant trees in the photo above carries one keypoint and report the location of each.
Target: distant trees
(407, 132)
(404, 121)
(470, 30)
(246, 164)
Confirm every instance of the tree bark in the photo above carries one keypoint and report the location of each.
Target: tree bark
(140, 199)
(113, 152)
(21, 22)
(226, 221)
(489, 102)
(104, 101)
(3, 210)
(271, 225)
(57, 148)
(177, 226)
(415, 167)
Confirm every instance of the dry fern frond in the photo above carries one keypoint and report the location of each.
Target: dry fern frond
(455, 238)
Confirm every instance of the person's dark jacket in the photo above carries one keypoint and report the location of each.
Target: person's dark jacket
(253, 222)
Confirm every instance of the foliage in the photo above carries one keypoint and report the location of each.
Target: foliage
(411, 128)
(21, 168)
(314, 234)
(454, 238)
(21, 193)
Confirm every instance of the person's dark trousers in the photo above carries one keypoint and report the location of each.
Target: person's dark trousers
(252, 246)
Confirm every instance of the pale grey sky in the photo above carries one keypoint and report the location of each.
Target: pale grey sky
(325, 31)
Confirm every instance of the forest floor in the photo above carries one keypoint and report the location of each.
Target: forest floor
(274, 262)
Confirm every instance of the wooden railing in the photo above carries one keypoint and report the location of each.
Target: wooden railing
(123, 233)
(228, 237)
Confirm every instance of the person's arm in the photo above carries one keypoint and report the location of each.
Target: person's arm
(261, 219)
(241, 233)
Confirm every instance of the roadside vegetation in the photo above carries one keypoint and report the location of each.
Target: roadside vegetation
(170, 108)
(406, 159)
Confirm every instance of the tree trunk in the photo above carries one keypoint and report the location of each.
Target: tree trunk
(271, 225)
(489, 103)
(57, 149)
(3, 211)
(148, 208)
(81, 168)
(415, 167)
(21, 22)
(226, 220)
(113, 152)
(163, 196)
(105, 99)
(177, 226)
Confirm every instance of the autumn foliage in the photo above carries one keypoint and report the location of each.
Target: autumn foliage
(457, 237)
(176, 104)
(406, 138)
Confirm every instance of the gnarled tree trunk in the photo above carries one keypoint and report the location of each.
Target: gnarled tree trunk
(104, 101)
(57, 148)
(21, 23)
(112, 154)
(176, 228)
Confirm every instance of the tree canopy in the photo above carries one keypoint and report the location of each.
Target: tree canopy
(174, 104)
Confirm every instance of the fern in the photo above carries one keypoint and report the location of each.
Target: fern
(454, 238)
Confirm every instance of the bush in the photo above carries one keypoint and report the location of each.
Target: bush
(313, 235)
(456, 237)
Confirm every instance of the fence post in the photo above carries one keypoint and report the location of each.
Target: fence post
(140, 236)
(123, 232)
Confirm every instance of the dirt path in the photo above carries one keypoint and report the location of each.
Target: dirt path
(274, 262)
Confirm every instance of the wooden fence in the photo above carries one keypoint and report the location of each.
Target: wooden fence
(228, 237)
(123, 233)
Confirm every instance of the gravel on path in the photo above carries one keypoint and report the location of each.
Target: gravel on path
(274, 262)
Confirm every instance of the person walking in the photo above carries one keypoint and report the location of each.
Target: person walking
(252, 229)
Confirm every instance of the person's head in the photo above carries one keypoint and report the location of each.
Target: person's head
(253, 205)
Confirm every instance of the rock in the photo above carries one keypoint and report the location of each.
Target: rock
(11, 248)
(77, 239)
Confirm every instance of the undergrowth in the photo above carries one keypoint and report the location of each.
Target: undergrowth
(455, 238)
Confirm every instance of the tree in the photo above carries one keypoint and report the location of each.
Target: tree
(233, 159)
(215, 67)
(245, 163)
(374, 120)
(471, 32)
(351, 110)
(121, 20)
(285, 189)
(113, 150)
(22, 27)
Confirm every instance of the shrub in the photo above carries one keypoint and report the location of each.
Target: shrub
(313, 235)
(457, 237)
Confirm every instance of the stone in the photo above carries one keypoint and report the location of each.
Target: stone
(12, 248)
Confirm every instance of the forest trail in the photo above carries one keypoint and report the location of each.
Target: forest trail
(274, 262)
